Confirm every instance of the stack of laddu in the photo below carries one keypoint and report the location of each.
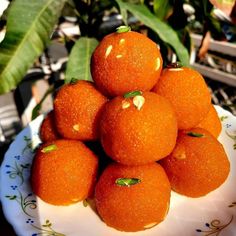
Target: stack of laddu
(157, 125)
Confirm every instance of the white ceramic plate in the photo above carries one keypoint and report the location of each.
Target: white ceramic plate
(214, 214)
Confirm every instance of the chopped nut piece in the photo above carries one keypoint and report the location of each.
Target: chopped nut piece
(49, 148)
(179, 154)
(158, 63)
(138, 101)
(195, 135)
(108, 51)
(123, 29)
(121, 41)
(76, 127)
(125, 104)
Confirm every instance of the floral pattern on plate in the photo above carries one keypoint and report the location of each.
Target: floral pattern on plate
(213, 214)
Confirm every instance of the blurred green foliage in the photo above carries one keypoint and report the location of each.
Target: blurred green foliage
(29, 28)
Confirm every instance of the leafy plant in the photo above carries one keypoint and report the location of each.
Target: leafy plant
(29, 27)
(79, 67)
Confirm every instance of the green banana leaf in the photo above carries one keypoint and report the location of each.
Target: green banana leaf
(78, 66)
(29, 26)
(164, 31)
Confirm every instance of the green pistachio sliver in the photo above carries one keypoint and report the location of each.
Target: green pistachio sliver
(49, 148)
(123, 29)
(196, 135)
(73, 81)
(132, 94)
(127, 181)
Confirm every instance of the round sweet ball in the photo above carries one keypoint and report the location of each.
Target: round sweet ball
(187, 91)
(63, 172)
(48, 131)
(133, 198)
(124, 62)
(138, 129)
(78, 107)
(198, 164)
(211, 122)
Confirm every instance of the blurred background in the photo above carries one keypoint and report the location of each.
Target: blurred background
(39, 51)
